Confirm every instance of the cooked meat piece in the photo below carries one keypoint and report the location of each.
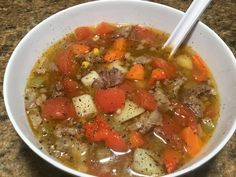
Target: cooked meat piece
(58, 90)
(142, 60)
(92, 58)
(162, 100)
(172, 139)
(63, 130)
(192, 98)
(146, 122)
(109, 78)
(122, 32)
(83, 72)
(173, 86)
(98, 83)
(57, 94)
(199, 90)
(59, 86)
(194, 104)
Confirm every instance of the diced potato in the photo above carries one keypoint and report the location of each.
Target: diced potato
(89, 78)
(129, 111)
(118, 65)
(184, 61)
(145, 164)
(84, 105)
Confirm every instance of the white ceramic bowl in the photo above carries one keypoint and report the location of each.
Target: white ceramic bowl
(215, 52)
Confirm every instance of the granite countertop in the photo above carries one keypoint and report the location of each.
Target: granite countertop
(17, 17)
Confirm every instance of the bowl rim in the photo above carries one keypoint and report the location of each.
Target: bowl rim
(55, 162)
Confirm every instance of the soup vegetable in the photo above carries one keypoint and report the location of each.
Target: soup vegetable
(107, 100)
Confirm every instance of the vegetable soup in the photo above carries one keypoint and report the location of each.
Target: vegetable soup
(106, 100)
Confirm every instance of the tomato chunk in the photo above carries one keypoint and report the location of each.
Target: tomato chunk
(145, 100)
(57, 108)
(109, 100)
(170, 127)
(100, 130)
(116, 142)
(166, 66)
(70, 86)
(95, 131)
(83, 33)
(185, 116)
(157, 75)
(128, 87)
(141, 33)
(65, 63)
(104, 28)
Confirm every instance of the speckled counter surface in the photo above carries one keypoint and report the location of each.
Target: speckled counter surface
(17, 17)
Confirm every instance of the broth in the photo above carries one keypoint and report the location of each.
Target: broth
(106, 100)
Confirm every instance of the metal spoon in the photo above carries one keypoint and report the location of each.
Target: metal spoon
(185, 25)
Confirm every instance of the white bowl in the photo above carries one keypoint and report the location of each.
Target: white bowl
(217, 55)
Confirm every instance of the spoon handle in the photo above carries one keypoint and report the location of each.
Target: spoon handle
(186, 24)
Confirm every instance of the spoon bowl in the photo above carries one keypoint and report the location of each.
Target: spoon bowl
(186, 24)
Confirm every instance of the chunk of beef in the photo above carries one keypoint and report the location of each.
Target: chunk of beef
(98, 83)
(162, 100)
(123, 31)
(68, 128)
(194, 104)
(173, 86)
(192, 98)
(146, 122)
(172, 139)
(59, 86)
(61, 130)
(142, 60)
(109, 78)
(58, 90)
(199, 90)
(93, 58)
